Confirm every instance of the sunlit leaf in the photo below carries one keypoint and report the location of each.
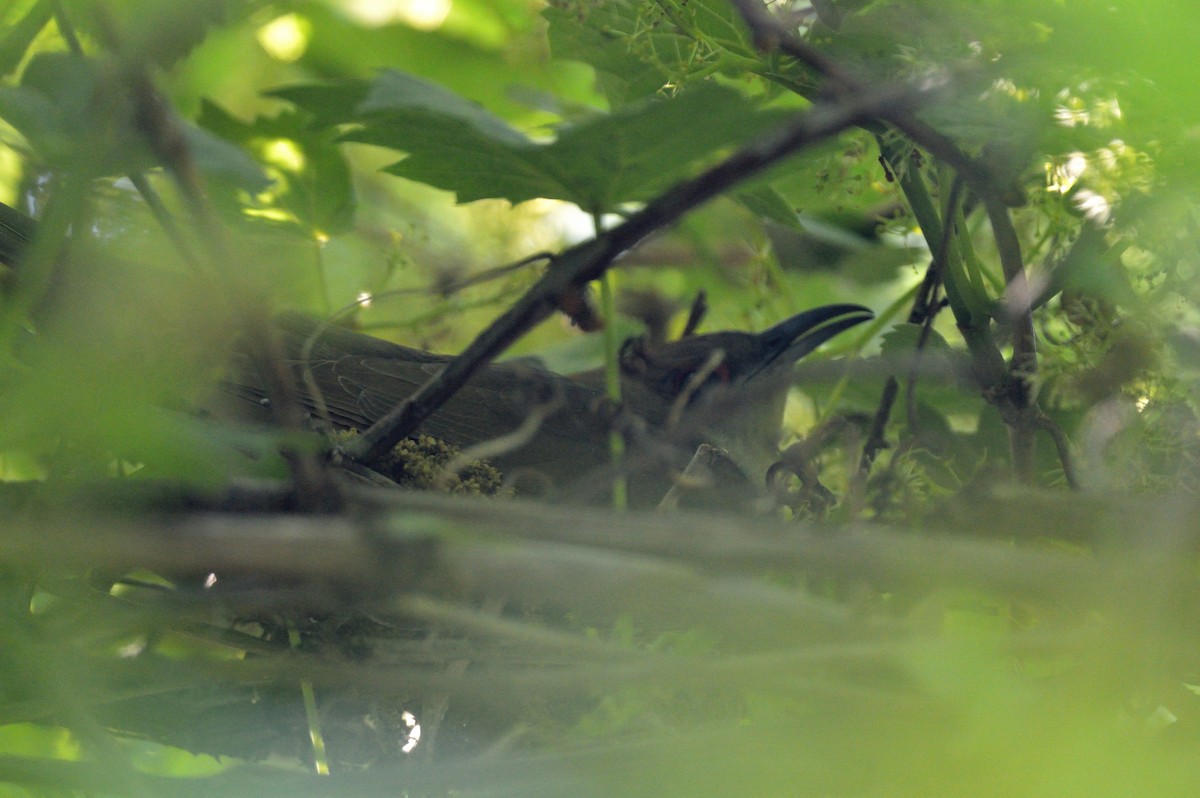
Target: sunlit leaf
(310, 169)
(16, 41)
(596, 163)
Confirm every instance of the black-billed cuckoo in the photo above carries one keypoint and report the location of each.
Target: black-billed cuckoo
(726, 389)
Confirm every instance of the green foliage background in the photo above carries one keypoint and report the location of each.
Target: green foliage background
(344, 156)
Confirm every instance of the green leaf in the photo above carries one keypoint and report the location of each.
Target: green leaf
(452, 154)
(400, 92)
(68, 81)
(53, 106)
(490, 61)
(600, 34)
(632, 154)
(901, 341)
(151, 31)
(217, 158)
(639, 49)
(312, 176)
(328, 104)
(62, 109)
(720, 21)
(599, 163)
(814, 244)
(15, 43)
(767, 203)
(453, 144)
(35, 116)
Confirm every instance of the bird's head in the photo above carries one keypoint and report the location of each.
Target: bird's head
(730, 388)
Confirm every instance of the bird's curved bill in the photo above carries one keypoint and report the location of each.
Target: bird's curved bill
(792, 339)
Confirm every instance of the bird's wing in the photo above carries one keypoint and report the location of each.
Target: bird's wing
(353, 379)
(495, 402)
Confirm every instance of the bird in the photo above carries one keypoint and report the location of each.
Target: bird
(724, 389)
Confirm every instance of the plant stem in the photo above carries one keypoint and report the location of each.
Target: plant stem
(612, 379)
(310, 712)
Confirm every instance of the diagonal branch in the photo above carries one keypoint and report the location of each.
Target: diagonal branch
(1019, 392)
(587, 261)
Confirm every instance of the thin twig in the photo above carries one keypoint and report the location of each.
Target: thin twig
(876, 437)
(923, 312)
(164, 218)
(1022, 411)
(693, 384)
(1063, 445)
(65, 28)
(694, 473)
(695, 314)
(926, 307)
